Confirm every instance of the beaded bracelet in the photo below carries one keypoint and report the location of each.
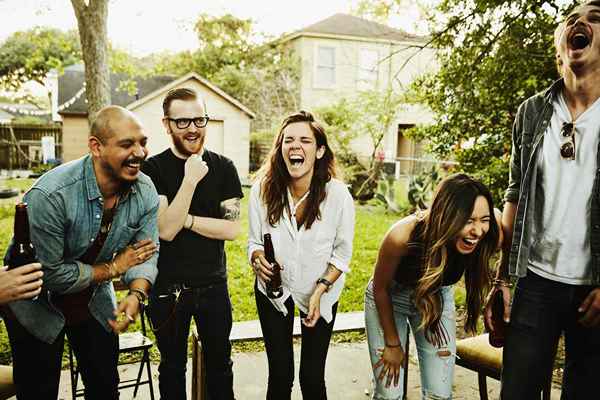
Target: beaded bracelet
(502, 282)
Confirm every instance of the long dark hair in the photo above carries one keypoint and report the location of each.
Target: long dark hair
(276, 178)
(451, 208)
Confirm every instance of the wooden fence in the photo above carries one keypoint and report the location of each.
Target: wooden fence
(21, 145)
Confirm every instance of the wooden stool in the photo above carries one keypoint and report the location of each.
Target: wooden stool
(478, 355)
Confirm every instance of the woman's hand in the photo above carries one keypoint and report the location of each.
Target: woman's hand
(390, 362)
(314, 308)
(261, 267)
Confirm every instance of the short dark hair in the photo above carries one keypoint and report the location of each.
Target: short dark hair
(178, 94)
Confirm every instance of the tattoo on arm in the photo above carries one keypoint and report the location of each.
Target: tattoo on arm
(331, 268)
(230, 209)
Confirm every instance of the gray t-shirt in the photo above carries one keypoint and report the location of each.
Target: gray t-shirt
(560, 248)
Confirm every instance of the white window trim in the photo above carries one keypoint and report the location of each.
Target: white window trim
(360, 81)
(316, 84)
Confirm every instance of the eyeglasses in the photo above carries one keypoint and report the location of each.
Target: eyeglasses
(567, 149)
(183, 123)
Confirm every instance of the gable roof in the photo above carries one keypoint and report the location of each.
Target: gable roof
(188, 76)
(72, 81)
(349, 25)
(147, 88)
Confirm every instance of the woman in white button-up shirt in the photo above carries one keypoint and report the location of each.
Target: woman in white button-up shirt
(310, 216)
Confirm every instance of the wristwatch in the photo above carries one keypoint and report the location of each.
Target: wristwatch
(325, 282)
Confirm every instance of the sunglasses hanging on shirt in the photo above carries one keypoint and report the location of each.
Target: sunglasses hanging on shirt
(567, 149)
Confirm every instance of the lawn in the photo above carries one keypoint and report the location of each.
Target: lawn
(371, 224)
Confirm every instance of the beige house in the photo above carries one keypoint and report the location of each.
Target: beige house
(228, 131)
(344, 54)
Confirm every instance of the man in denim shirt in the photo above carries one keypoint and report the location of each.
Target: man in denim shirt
(81, 214)
(553, 205)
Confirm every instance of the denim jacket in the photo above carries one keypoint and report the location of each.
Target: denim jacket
(65, 212)
(531, 122)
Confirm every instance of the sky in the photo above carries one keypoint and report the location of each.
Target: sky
(145, 26)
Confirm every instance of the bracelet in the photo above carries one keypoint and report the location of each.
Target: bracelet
(139, 293)
(393, 346)
(502, 282)
(192, 223)
(111, 269)
(325, 282)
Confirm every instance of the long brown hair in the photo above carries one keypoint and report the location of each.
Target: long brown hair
(276, 178)
(451, 208)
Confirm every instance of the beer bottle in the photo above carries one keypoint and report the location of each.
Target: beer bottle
(498, 335)
(274, 289)
(22, 251)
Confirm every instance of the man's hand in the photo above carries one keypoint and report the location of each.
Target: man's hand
(24, 282)
(126, 313)
(488, 320)
(195, 169)
(133, 255)
(590, 308)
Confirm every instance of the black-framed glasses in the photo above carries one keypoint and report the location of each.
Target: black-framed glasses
(567, 149)
(183, 123)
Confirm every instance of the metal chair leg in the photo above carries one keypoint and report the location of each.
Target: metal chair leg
(483, 394)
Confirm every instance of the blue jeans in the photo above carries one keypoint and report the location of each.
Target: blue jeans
(211, 309)
(437, 368)
(542, 309)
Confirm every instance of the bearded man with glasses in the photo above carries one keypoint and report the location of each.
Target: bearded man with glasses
(199, 207)
(551, 223)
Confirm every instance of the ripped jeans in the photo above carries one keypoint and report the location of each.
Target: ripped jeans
(436, 364)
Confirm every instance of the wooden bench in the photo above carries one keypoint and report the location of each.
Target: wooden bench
(478, 355)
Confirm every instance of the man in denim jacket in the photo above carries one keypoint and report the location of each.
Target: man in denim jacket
(553, 206)
(92, 220)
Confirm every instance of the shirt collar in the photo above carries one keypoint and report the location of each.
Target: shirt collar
(91, 183)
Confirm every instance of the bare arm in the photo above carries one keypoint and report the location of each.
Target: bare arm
(172, 217)
(225, 228)
(391, 251)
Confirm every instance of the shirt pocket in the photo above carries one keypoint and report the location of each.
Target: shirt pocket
(124, 236)
(324, 239)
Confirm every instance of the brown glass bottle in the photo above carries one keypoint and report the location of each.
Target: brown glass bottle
(497, 336)
(274, 289)
(22, 251)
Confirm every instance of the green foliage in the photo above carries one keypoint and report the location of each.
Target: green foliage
(421, 187)
(262, 76)
(493, 54)
(30, 55)
(369, 114)
(387, 194)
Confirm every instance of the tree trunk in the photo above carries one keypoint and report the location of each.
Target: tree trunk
(91, 17)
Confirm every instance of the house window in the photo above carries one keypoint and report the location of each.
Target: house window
(325, 74)
(368, 69)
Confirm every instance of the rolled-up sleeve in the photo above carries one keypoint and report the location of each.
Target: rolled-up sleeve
(255, 220)
(149, 229)
(514, 182)
(47, 229)
(342, 245)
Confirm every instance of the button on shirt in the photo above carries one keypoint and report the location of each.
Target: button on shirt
(306, 254)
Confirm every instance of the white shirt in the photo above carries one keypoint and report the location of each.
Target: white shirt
(305, 254)
(560, 249)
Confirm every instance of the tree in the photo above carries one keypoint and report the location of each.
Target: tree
(263, 76)
(493, 54)
(30, 55)
(91, 17)
(371, 114)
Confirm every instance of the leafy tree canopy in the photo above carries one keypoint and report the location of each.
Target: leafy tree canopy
(30, 55)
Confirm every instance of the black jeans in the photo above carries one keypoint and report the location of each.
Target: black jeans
(211, 309)
(277, 332)
(37, 364)
(542, 309)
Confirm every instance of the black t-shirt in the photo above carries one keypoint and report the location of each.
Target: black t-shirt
(191, 258)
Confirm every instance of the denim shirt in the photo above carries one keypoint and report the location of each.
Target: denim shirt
(65, 210)
(531, 123)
